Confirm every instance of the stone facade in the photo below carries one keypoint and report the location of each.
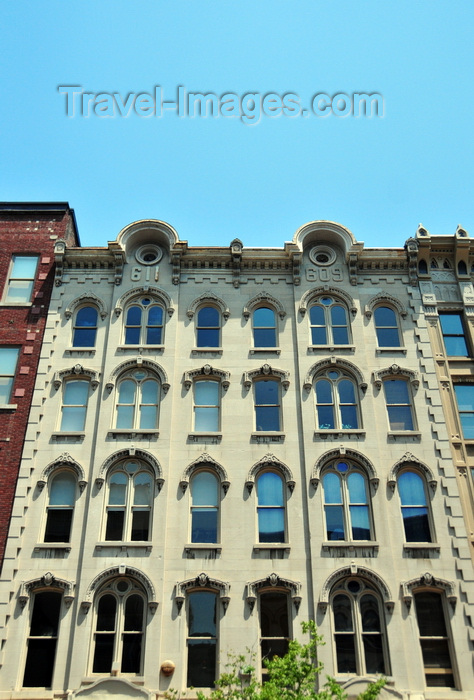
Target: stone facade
(225, 442)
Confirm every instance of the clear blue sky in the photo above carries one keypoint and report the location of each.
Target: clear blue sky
(215, 179)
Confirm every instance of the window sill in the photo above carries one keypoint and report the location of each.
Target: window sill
(420, 550)
(263, 436)
(331, 348)
(266, 351)
(404, 434)
(133, 433)
(203, 545)
(198, 351)
(139, 348)
(8, 406)
(285, 546)
(204, 437)
(381, 351)
(64, 546)
(364, 548)
(17, 303)
(124, 546)
(73, 351)
(345, 432)
(68, 434)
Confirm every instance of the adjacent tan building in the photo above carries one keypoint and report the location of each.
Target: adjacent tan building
(225, 442)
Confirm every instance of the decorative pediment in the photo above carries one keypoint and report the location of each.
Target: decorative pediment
(385, 299)
(207, 371)
(76, 371)
(131, 453)
(208, 298)
(356, 570)
(86, 298)
(427, 580)
(273, 581)
(272, 462)
(202, 582)
(138, 363)
(47, 582)
(267, 371)
(409, 460)
(113, 572)
(159, 294)
(312, 295)
(396, 372)
(343, 453)
(111, 686)
(334, 363)
(205, 460)
(63, 461)
(261, 299)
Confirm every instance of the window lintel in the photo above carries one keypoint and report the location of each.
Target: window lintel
(201, 463)
(47, 582)
(207, 371)
(396, 372)
(344, 453)
(266, 371)
(409, 460)
(384, 299)
(131, 453)
(160, 296)
(202, 582)
(269, 461)
(137, 363)
(334, 363)
(64, 461)
(262, 299)
(312, 295)
(358, 571)
(121, 570)
(211, 299)
(427, 580)
(88, 298)
(273, 581)
(78, 371)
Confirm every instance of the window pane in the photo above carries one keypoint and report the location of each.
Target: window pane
(270, 489)
(357, 488)
(373, 650)
(8, 360)
(45, 618)
(467, 422)
(24, 267)
(134, 614)
(388, 338)
(411, 489)
(369, 612)
(155, 316)
(84, 338)
(267, 418)
(342, 610)
(134, 316)
(103, 653)
(316, 316)
(204, 489)
(208, 337)
(106, 612)
(400, 418)
(338, 316)
(208, 316)
(132, 336)
(114, 529)
(19, 291)
(349, 417)
(153, 336)
(266, 392)
(131, 653)
(274, 621)
(360, 522)
(140, 525)
(430, 614)
(206, 393)
(201, 663)
(340, 335)
(6, 385)
(264, 337)
(117, 489)
(148, 417)
(87, 317)
(125, 416)
(40, 663)
(451, 324)
(58, 525)
(417, 526)
(263, 317)
(325, 417)
(345, 652)
(76, 393)
(73, 418)
(465, 396)
(273, 647)
(323, 391)
(334, 523)
(271, 525)
(346, 391)
(143, 490)
(202, 614)
(206, 419)
(318, 336)
(456, 347)
(204, 525)
(396, 391)
(63, 490)
(384, 316)
(332, 488)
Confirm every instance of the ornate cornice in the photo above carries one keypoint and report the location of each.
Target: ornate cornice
(211, 298)
(273, 581)
(113, 572)
(409, 460)
(47, 582)
(131, 452)
(355, 570)
(395, 371)
(202, 582)
(384, 298)
(427, 580)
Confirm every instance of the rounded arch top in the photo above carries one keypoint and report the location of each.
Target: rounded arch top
(148, 231)
(269, 461)
(148, 290)
(410, 461)
(334, 362)
(326, 232)
(356, 570)
(136, 363)
(114, 572)
(208, 298)
(343, 454)
(64, 461)
(313, 294)
(131, 453)
(263, 299)
(205, 461)
(384, 299)
(86, 299)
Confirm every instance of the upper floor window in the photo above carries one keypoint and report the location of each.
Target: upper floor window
(42, 640)
(336, 401)
(329, 322)
(202, 639)
(85, 327)
(206, 405)
(436, 645)
(8, 362)
(74, 406)
(129, 503)
(204, 507)
(274, 625)
(399, 404)
(119, 627)
(359, 631)
(62, 497)
(267, 405)
(454, 335)
(21, 280)
(346, 503)
(414, 505)
(264, 328)
(386, 327)
(208, 327)
(144, 322)
(138, 394)
(465, 401)
(271, 508)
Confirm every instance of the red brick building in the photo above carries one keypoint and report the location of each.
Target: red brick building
(28, 232)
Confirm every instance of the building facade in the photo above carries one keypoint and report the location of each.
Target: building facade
(28, 232)
(225, 442)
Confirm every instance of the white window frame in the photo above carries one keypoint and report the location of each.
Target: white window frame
(11, 278)
(328, 325)
(10, 378)
(138, 403)
(128, 508)
(144, 325)
(336, 403)
(346, 504)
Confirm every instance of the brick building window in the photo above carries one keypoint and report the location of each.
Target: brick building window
(19, 288)
(8, 363)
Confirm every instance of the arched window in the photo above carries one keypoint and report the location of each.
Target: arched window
(414, 505)
(138, 395)
(205, 507)
(264, 328)
(42, 640)
(271, 508)
(274, 625)
(386, 327)
(62, 497)
(360, 639)
(207, 405)
(85, 327)
(144, 322)
(435, 641)
(267, 405)
(208, 327)
(202, 639)
(129, 503)
(346, 503)
(119, 627)
(74, 406)
(399, 404)
(329, 322)
(336, 401)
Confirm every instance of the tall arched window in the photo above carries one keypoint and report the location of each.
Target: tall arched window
(138, 395)
(119, 627)
(264, 328)
(274, 625)
(346, 503)
(435, 641)
(204, 507)
(202, 639)
(360, 639)
(85, 327)
(42, 640)
(208, 327)
(386, 327)
(62, 496)
(329, 322)
(271, 507)
(414, 505)
(336, 401)
(144, 322)
(129, 503)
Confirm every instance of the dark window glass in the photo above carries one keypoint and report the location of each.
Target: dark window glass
(398, 404)
(144, 323)
(328, 322)
(274, 625)
(86, 327)
(60, 509)
(264, 328)
(434, 640)
(336, 402)
(453, 335)
(271, 509)
(42, 640)
(465, 401)
(267, 405)
(202, 639)
(414, 507)
(386, 327)
(208, 327)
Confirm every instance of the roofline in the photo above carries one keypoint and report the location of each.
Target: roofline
(42, 206)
